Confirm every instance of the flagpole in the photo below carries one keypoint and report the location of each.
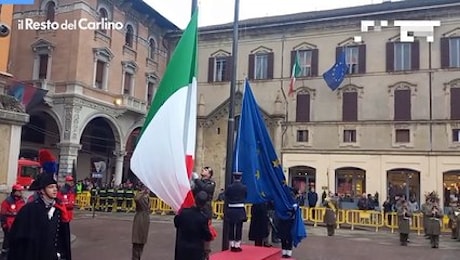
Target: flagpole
(231, 122)
(194, 5)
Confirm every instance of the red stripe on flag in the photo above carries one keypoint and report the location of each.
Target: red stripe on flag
(189, 199)
(291, 87)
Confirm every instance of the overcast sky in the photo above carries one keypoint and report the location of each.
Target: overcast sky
(221, 11)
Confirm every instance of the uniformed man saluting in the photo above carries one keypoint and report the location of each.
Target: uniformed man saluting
(235, 214)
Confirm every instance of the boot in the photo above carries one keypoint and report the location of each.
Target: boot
(238, 246)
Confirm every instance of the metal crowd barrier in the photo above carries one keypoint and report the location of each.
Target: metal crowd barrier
(353, 218)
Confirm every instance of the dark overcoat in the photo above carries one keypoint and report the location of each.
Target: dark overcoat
(192, 231)
(141, 222)
(404, 219)
(259, 226)
(434, 222)
(35, 236)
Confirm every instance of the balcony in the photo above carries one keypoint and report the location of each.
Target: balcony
(131, 104)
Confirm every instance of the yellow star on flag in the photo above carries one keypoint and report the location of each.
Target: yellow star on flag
(276, 163)
(262, 194)
(257, 174)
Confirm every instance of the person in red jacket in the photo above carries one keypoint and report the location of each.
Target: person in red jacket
(67, 195)
(9, 209)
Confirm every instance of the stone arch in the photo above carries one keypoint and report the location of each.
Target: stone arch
(350, 181)
(403, 182)
(302, 177)
(112, 123)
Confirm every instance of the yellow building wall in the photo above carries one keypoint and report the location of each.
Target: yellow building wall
(6, 16)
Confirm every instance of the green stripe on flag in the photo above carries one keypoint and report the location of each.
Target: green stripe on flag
(180, 71)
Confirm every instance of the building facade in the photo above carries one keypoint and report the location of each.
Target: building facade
(99, 80)
(393, 125)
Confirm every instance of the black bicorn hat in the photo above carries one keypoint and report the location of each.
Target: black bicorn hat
(42, 180)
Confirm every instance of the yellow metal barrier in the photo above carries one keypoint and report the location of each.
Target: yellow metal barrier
(83, 200)
(316, 215)
(366, 218)
(218, 209)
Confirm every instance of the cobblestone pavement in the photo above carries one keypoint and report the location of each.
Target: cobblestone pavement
(108, 236)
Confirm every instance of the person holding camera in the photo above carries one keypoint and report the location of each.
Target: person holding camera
(434, 224)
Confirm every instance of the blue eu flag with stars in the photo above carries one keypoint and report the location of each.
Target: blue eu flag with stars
(263, 174)
(335, 75)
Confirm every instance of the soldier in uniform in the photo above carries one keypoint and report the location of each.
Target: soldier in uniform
(141, 223)
(284, 230)
(205, 183)
(235, 214)
(258, 228)
(404, 218)
(9, 209)
(424, 209)
(453, 221)
(434, 224)
(330, 218)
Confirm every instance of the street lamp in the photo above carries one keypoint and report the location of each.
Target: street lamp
(118, 101)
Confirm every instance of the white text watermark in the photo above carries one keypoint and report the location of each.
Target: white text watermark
(409, 29)
(80, 24)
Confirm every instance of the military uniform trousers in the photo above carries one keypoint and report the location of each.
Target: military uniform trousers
(235, 217)
(434, 230)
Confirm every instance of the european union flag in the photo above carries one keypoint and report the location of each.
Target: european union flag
(335, 75)
(263, 174)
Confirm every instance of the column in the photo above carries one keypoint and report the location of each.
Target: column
(123, 81)
(48, 68)
(67, 157)
(277, 136)
(132, 84)
(36, 67)
(94, 72)
(119, 159)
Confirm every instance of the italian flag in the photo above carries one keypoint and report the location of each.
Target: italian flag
(295, 73)
(164, 155)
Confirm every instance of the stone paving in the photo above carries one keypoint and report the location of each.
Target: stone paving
(108, 236)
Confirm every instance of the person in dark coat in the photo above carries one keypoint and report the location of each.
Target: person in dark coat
(36, 232)
(434, 223)
(141, 223)
(330, 216)
(9, 210)
(235, 214)
(404, 218)
(284, 226)
(258, 228)
(192, 226)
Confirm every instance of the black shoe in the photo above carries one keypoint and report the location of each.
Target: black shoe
(286, 256)
(267, 245)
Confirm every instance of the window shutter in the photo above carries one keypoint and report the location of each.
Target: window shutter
(303, 107)
(293, 53)
(445, 53)
(229, 68)
(270, 64)
(43, 69)
(338, 51)
(211, 62)
(402, 106)
(415, 55)
(99, 71)
(362, 59)
(390, 56)
(455, 103)
(350, 106)
(314, 62)
(251, 66)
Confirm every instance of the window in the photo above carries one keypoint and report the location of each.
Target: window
(456, 135)
(350, 106)
(152, 48)
(100, 71)
(402, 135)
(402, 105)
(454, 52)
(129, 37)
(220, 69)
(402, 59)
(308, 60)
(450, 52)
(349, 136)
(302, 136)
(127, 84)
(303, 107)
(103, 17)
(351, 56)
(402, 56)
(261, 65)
(43, 66)
(355, 56)
(50, 11)
(150, 92)
(455, 103)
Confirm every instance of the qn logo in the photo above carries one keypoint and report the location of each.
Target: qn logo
(17, 2)
(408, 29)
